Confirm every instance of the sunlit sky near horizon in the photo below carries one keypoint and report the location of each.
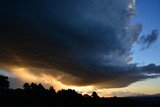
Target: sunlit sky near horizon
(84, 45)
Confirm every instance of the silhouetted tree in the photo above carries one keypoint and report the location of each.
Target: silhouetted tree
(33, 86)
(40, 87)
(26, 86)
(86, 95)
(95, 95)
(52, 90)
(68, 93)
(4, 83)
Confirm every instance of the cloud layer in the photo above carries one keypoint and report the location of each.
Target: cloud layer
(85, 42)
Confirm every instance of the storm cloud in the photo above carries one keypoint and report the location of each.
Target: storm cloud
(86, 42)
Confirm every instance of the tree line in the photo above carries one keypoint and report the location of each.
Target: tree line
(36, 95)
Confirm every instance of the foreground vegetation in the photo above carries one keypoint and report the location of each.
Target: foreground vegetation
(33, 95)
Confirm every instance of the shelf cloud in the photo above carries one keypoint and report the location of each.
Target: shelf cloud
(85, 42)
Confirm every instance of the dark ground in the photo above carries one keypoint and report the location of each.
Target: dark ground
(70, 98)
(33, 95)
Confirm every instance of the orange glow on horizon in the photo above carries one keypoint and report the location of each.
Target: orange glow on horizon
(27, 76)
(141, 87)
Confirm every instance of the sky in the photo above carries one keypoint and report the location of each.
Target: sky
(107, 46)
(147, 15)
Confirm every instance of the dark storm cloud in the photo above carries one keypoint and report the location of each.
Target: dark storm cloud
(83, 41)
(148, 40)
(151, 67)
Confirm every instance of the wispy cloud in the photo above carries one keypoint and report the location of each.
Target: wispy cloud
(147, 40)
